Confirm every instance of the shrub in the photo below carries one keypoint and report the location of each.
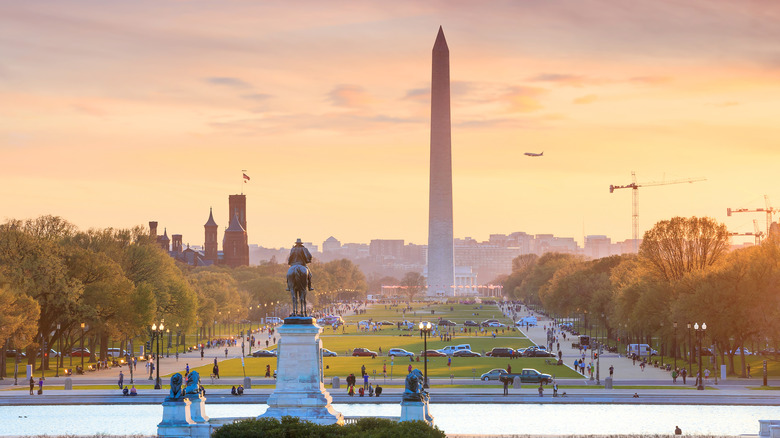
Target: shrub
(292, 427)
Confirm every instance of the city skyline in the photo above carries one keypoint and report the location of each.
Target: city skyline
(117, 114)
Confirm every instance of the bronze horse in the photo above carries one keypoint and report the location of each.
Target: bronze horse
(297, 282)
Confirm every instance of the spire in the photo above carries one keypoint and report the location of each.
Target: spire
(165, 234)
(211, 222)
(441, 43)
(235, 225)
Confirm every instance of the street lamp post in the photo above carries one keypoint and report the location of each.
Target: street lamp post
(699, 336)
(690, 348)
(675, 345)
(168, 347)
(59, 347)
(81, 352)
(425, 328)
(177, 339)
(157, 333)
(661, 343)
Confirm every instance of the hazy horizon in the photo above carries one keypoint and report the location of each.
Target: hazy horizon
(119, 113)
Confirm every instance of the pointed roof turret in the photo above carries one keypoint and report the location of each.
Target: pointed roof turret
(235, 225)
(211, 222)
(165, 235)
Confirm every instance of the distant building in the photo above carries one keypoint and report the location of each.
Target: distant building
(234, 243)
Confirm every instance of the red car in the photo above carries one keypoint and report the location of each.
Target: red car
(363, 352)
(434, 353)
(78, 352)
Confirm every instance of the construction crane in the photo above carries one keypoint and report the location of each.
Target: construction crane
(768, 210)
(756, 232)
(635, 196)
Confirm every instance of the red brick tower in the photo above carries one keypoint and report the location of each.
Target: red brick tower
(153, 230)
(234, 246)
(176, 244)
(237, 206)
(210, 247)
(164, 241)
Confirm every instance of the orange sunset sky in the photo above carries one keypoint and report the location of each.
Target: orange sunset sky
(114, 113)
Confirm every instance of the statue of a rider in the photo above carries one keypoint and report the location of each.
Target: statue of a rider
(299, 255)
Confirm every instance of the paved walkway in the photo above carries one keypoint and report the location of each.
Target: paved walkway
(625, 369)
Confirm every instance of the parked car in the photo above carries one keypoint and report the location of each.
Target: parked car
(447, 322)
(264, 353)
(386, 323)
(79, 352)
(493, 374)
(501, 352)
(432, 353)
(330, 320)
(471, 323)
(393, 352)
(536, 352)
(496, 324)
(528, 320)
(451, 349)
(363, 352)
(13, 353)
(530, 375)
(465, 353)
(116, 352)
(487, 322)
(737, 352)
(328, 353)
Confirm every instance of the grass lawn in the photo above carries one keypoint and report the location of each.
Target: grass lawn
(341, 343)
(422, 312)
(437, 367)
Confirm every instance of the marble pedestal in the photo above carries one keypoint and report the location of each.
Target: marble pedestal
(176, 419)
(197, 408)
(300, 389)
(415, 410)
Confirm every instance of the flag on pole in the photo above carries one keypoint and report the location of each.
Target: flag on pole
(246, 177)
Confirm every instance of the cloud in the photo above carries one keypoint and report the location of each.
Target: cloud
(258, 97)
(418, 95)
(228, 82)
(590, 98)
(649, 80)
(350, 96)
(522, 99)
(91, 110)
(563, 79)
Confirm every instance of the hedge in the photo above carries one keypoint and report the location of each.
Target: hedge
(293, 427)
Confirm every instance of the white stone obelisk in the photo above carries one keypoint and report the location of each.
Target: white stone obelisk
(441, 259)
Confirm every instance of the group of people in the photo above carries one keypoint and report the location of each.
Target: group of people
(237, 391)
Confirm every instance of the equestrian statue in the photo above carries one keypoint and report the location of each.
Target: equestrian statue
(299, 277)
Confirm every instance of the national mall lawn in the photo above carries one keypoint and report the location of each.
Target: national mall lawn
(344, 339)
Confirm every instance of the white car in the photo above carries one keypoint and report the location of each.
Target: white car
(496, 324)
(737, 352)
(393, 352)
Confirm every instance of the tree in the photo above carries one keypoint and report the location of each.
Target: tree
(413, 283)
(681, 245)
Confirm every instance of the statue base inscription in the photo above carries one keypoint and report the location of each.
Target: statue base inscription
(300, 388)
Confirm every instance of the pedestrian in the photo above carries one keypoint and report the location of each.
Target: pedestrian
(363, 370)
(409, 370)
(748, 371)
(449, 362)
(555, 389)
(509, 369)
(684, 374)
(365, 381)
(226, 351)
(611, 370)
(576, 365)
(135, 363)
(361, 391)
(202, 352)
(215, 370)
(384, 369)
(378, 390)
(32, 385)
(187, 370)
(506, 385)
(370, 390)
(268, 370)
(40, 386)
(674, 376)
(351, 390)
(541, 390)
(707, 375)
(121, 379)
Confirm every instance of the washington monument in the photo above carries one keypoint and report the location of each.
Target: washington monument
(441, 270)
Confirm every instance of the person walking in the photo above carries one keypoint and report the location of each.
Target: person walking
(40, 386)
(506, 385)
(226, 352)
(187, 370)
(32, 385)
(684, 374)
(611, 370)
(555, 389)
(541, 390)
(215, 370)
(121, 379)
(748, 370)
(268, 370)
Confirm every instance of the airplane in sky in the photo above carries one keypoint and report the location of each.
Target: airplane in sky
(531, 154)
